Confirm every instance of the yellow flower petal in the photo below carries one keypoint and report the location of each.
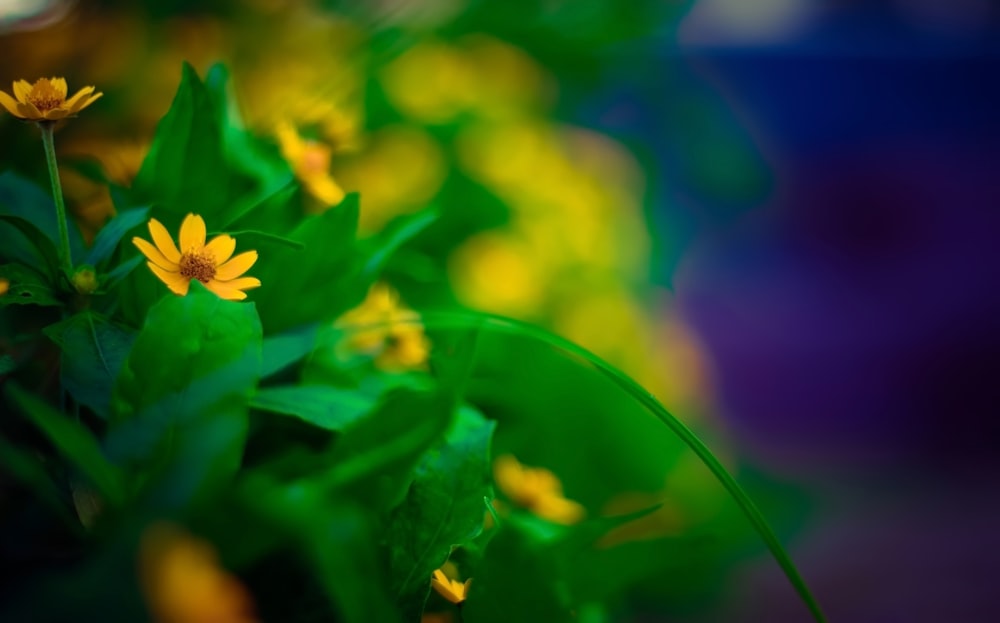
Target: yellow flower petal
(154, 255)
(243, 283)
(221, 248)
(225, 291)
(192, 233)
(28, 111)
(9, 103)
(60, 86)
(56, 114)
(21, 90)
(82, 93)
(236, 266)
(174, 281)
(163, 241)
(93, 98)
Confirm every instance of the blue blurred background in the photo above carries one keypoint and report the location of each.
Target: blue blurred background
(842, 276)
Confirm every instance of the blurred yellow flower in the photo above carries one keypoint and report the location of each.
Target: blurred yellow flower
(208, 263)
(183, 583)
(45, 100)
(449, 588)
(310, 161)
(4, 286)
(436, 617)
(536, 489)
(385, 328)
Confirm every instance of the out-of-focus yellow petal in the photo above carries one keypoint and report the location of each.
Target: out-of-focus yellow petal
(28, 111)
(192, 237)
(221, 248)
(236, 266)
(82, 93)
(21, 90)
(59, 84)
(163, 241)
(55, 114)
(9, 103)
(243, 283)
(174, 281)
(225, 291)
(154, 255)
(90, 100)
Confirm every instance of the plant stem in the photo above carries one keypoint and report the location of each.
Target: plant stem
(50, 158)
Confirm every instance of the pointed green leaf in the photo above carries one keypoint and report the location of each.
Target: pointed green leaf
(315, 283)
(22, 198)
(329, 408)
(110, 235)
(93, 351)
(373, 459)
(443, 508)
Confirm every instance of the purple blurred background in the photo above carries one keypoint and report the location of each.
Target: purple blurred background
(837, 255)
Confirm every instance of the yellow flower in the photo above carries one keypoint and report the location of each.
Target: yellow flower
(536, 489)
(46, 100)
(208, 263)
(452, 590)
(183, 583)
(4, 286)
(386, 329)
(310, 161)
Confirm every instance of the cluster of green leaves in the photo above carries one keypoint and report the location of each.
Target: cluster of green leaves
(332, 488)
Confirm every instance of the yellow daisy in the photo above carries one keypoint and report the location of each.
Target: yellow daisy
(45, 100)
(452, 590)
(208, 263)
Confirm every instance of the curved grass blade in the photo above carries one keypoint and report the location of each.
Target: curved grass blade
(491, 322)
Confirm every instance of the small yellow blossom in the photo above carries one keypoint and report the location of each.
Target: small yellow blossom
(536, 489)
(45, 100)
(449, 588)
(4, 286)
(183, 582)
(387, 330)
(208, 263)
(310, 161)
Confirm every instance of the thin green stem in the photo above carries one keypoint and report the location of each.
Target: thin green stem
(50, 158)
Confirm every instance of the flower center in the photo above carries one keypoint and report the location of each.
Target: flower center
(44, 96)
(200, 266)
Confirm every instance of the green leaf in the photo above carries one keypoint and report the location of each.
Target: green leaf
(443, 508)
(74, 442)
(93, 351)
(202, 162)
(256, 239)
(25, 243)
(383, 245)
(329, 408)
(317, 283)
(121, 271)
(501, 325)
(281, 351)
(110, 235)
(335, 535)
(180, 401)
(26, 287)
(517, 580)
(373, 460)
(22, 198)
